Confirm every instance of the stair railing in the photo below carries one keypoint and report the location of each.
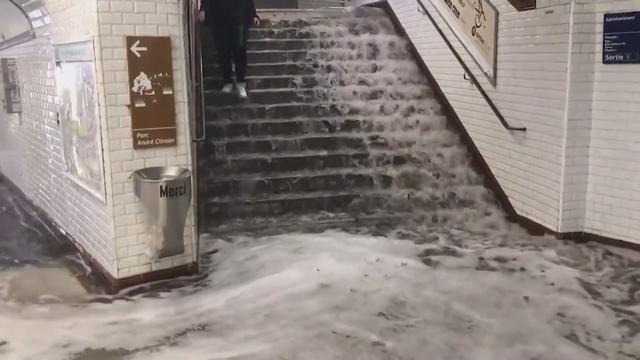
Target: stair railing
(195, 93)
(468, 75)
(196, 73)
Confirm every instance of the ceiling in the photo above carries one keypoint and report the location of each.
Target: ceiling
(18, 19)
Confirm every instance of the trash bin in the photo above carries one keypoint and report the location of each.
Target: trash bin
(165, 193)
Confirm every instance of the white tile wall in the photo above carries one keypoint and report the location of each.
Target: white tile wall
(530, 91)
(32, 141)
(118, 19)
(112, 231)
(579, 88)
(613, 207)
(576, 169)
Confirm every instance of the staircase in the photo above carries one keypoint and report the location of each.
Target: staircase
(340, 122)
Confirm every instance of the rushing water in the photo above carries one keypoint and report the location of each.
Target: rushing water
(367, 69)
(455, 282)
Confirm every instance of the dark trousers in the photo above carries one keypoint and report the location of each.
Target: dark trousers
(231, 46)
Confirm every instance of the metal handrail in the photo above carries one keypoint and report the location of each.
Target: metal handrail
(468, 75)
(197, 72)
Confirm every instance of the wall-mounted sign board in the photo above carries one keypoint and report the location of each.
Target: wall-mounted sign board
(621, 43)
(151, 91)
(79, 116)
(11, 88)
(475, 24)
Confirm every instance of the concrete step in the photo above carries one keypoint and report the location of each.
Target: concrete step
(392, 124)
(329, 55)
(319, 94)
(212, 167)
(236, 165)
(329, 142)
(285, 81)
(326, 109)
(281, 34)
(403, 69)
(265, 44)
(254, 69)
(264, 56)
(300, 183)
(221, 209)
(356, 201)
(268, 82)
(278, 44)
(285, 127)
(282, 111)
(390, 42)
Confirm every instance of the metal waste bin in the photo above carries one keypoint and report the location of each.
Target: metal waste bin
(165, 193)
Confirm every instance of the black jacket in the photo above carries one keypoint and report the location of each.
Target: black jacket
(228, 12)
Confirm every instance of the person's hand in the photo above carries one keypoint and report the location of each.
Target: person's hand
(256, 21)
(202, 15)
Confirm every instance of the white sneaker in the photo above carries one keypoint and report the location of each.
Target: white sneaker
(227, 88)
(242, 90)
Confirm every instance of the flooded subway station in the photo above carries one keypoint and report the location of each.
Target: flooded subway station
(389, 188)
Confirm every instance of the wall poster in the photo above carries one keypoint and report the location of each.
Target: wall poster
(475, 23)
(79, 117)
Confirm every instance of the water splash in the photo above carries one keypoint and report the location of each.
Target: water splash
(367, 68)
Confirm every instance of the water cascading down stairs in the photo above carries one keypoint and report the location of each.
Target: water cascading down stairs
(340, 122)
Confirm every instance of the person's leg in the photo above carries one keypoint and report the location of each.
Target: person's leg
(224, 49)
(240, 58)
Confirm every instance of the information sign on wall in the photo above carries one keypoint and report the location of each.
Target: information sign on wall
(151, 91)
(475, 23)
(78, 114)
(621, 43)
(11, 88)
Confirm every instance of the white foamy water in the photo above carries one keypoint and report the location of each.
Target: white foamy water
(338, 296)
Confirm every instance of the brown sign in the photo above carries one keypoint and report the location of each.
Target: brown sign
(151, 91)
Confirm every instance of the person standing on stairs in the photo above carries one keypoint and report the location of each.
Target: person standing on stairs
(230, 21)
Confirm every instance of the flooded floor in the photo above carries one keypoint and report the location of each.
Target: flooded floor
(449, 293)
(36, 264)
(489, 291)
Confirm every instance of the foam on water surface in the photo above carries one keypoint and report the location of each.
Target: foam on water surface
(343, 296)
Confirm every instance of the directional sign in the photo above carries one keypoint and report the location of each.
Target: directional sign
(136, 49)
(621, 43)
(153, 114)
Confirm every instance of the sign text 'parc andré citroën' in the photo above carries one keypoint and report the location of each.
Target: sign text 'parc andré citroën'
(153, 111)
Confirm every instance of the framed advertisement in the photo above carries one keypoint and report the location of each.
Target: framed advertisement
(78, 113)
(475, 24)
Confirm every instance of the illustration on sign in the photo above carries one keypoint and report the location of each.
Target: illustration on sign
(79, 117)
(151, 91)
(621, 43)
(475, 23)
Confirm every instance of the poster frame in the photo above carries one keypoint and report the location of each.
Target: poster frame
(492, 73)
(100, 194)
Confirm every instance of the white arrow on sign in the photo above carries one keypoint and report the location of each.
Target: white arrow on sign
(136, 49)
